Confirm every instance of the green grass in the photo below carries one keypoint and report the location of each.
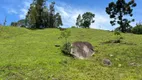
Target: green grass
(31, 55)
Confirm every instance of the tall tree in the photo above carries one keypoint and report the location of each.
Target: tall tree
(39, 6)
(118, 10)
(86, 20)
(45, 17)
(31, 16)
(78, 21)
(39, 16)
(34, 16)
(58, 20)
(52, 17)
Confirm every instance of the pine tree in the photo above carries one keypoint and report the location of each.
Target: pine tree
(118, 10)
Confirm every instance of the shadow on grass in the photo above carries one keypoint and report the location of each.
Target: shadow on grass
(118, 41)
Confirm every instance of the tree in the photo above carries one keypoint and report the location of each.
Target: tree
(66, 48)
(137, 29)
(52, 17)
(13, 24)
(78, 21)
(21, 23)
(40, 4)
(45, 17)
(86, 20)
(39, 16)
(118, 10)
(31, 17)
(58, 20)
(34, 17)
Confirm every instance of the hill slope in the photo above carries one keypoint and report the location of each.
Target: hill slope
(31, 54)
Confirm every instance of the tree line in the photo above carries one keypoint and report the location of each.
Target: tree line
(117, 12)
(40, 16)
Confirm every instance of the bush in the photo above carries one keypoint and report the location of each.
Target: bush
(66, 48)
(128, 29)
(117, 33)
(137, 29)
(22, 26)
(73, 27)
(65, 35)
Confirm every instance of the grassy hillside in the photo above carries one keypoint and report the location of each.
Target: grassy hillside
(31, 55)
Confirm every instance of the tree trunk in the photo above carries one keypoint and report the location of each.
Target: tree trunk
(121, 22)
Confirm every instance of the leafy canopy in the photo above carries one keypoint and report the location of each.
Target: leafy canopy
(39, 16)
(118, 10)
(86, 20)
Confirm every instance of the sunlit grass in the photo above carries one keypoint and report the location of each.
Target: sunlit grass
(32, 55)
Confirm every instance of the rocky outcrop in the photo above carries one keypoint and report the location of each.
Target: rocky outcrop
(82, 50)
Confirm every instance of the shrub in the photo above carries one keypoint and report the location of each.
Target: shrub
(73, 27)
(128, 29)
(117, 33)
(66, 48)
(66, 34)
(22, 26)
(118, 37)
(137, 29)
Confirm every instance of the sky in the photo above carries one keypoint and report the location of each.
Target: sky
(14, 10)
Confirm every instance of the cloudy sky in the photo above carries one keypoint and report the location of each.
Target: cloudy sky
(15, 10)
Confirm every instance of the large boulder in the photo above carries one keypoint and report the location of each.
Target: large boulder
(82, 50)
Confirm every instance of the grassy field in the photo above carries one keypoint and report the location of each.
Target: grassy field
(32, 55)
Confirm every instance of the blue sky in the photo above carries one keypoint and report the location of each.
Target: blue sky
(15, 10)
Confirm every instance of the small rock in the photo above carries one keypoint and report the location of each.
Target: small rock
(133, 64)
(107, 62)
(56, 45)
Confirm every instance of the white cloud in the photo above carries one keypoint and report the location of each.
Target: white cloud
(23, 13)
(102, 21)
(24, 9)
(69, 15)
(12, 11)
